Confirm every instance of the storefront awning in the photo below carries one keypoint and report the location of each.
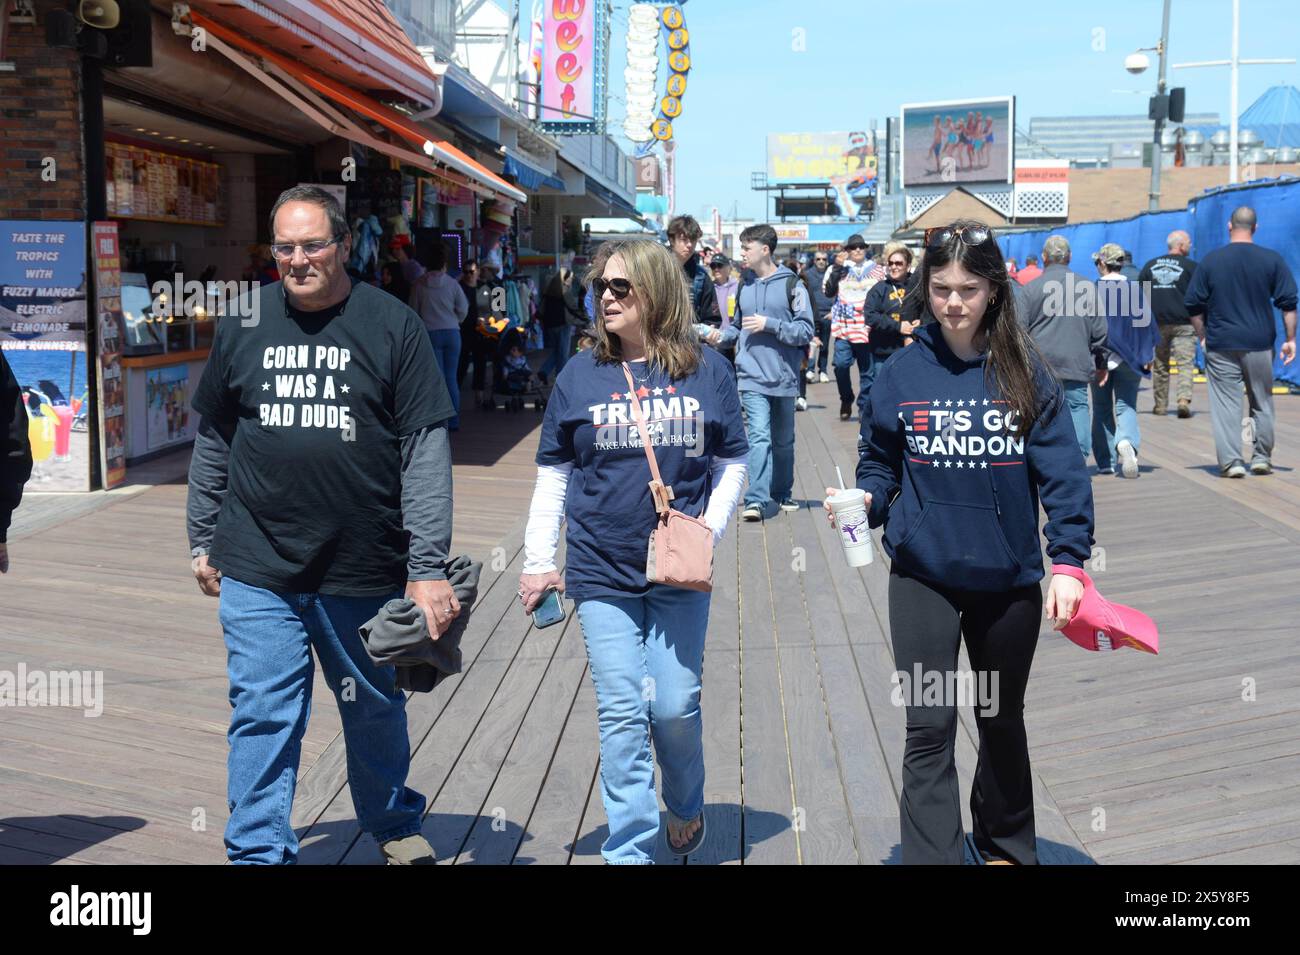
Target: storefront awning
(357, 41)
(528, 175)
(300, 84)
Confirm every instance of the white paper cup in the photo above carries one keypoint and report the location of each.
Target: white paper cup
(850, 509)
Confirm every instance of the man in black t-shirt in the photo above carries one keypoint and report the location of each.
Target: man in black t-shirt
(321, 449)
(1170, 275)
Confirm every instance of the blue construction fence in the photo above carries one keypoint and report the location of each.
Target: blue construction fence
(1276, 202)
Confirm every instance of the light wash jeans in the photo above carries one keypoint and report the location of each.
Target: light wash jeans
(1114, 414)
(269, 640)
(446, 350)
(646, 656)
(769, 426)
(1076, 399)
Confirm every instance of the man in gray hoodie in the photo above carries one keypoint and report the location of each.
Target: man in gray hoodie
(1059, 310)
(771, 329)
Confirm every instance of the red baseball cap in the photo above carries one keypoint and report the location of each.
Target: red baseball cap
(1099, 624)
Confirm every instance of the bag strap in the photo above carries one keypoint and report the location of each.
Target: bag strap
(659, 492)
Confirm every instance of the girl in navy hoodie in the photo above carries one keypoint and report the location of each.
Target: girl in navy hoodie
(967, 432)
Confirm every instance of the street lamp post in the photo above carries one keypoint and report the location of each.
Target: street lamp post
(1233, 64)
(1135, 63)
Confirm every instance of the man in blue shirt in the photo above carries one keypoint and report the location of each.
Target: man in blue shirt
(1230, 303)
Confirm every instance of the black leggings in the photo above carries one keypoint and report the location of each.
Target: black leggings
(926, 623)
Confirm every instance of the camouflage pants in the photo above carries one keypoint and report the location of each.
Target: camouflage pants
(1181, 340)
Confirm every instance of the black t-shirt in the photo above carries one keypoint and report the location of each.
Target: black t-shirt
(319, 402)
(1169, 275)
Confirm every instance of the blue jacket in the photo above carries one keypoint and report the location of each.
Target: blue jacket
(958, 495)
(768, 361)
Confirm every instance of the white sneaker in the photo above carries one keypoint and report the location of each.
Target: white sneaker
(1128, 459)
(811, 376)
(801, 404)
(823, 378)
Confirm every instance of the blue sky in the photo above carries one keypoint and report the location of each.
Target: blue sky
(862, 59)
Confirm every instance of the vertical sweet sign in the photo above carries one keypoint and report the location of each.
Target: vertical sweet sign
(569, 62)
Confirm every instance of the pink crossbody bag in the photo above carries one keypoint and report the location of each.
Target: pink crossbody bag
(680, 552)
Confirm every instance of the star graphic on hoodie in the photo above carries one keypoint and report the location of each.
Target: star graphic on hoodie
(936, 402)
(948, 403)
(960, 464)
(266, 386)
(643, 392)
(345, 389)
(671, 390)
(616, 395)
(947, 464)
(935, 462)
(960, 403)
(984, 464)
(658, 391)
(986, 402)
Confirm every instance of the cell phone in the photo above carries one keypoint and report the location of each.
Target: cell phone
(549, 610)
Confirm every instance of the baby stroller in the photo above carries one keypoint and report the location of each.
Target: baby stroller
(515, 376)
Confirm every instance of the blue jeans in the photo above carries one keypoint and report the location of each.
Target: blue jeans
(769, 426)
(269, 639)
(646, 655)
(1076, 399)
(1114, 413)
(846, 353)
(446, 350)
(822, 327)
(559, 341)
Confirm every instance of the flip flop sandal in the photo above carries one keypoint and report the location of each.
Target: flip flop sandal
(691, 844)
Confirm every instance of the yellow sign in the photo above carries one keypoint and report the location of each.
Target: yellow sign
(676, 85)
(678, 39)
(678, 61)
(671, 107)
(673, 17)
(662, 130)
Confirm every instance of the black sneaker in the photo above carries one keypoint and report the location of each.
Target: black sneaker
(846, 410)
(789, 505)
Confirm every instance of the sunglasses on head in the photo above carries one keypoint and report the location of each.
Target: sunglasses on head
(619, 288)
(969, 235)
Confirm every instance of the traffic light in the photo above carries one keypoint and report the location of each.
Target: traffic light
(1158, 108)
(1177, 100)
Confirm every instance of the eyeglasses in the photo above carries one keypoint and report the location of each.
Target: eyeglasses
(285, 250)
(969, 235)
(619, 288)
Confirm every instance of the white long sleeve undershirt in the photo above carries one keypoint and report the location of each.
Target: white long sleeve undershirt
(546, 512)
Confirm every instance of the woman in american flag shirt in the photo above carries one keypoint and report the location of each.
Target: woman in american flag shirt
(849, 284)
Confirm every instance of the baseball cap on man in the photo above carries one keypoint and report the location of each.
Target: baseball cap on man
(1111, 253)
(1099, 624)
(719, 262)
(855, 242)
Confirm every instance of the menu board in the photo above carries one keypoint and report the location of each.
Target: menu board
(112, 417)
(148, 184)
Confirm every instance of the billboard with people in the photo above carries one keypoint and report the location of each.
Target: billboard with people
(958, 141)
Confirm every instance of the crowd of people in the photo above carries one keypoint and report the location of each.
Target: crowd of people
(320, 488)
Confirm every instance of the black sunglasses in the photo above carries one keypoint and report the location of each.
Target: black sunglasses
(970, 235)
(620, 288)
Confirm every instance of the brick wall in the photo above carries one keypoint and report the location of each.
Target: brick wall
(40, 116)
